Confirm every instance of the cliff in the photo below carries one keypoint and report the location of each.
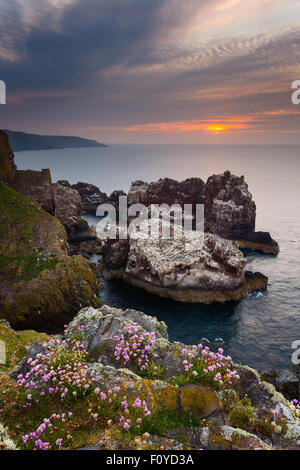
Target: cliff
(21, 141)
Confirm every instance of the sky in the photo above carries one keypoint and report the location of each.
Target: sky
(152, 71)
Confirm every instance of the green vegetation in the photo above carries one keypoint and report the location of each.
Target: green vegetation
(23, 230)
(243, 414)
(153, 372)
(17, 344)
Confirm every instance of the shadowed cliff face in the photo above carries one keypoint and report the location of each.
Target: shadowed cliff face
(61, 201)
(7, 164)
(40, 286)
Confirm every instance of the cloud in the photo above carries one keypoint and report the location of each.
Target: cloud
(115, 64)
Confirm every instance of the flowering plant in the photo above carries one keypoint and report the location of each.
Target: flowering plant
(203, 366)
(132, 347)
(61, 367)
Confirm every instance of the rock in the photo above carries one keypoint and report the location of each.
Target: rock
(40, 286)
(114, 197)
(167, 191)
(102, 325)
(202, 401)
(229, 210)
(68, 208)
(85, 243)
(220, 438)
(59, 200)
(287, 382)
(91, 195)
(190, 269)
(115, 253)
(209, 406)
(37, 185)
(259, 241)
(216, 265)
(7, 164)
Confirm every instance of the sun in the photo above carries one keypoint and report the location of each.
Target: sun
(216, 129)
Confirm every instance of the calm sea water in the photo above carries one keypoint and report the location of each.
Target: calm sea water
(257, 331)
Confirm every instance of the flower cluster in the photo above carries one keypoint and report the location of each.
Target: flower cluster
(204, 366)
(120, 411)
(133, 347)
(61, 368)
(41, 438)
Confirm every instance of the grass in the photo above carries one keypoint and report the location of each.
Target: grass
(26, 264)
(16, 344)
(21, 420)
(153, 372)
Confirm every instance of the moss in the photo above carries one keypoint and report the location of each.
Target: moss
(200, 400)
(17, 344)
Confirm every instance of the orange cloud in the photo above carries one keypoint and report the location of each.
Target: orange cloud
(259, 122)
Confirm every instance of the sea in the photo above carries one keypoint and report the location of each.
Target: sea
(258, 331)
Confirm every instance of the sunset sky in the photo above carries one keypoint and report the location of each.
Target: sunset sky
(152, 71)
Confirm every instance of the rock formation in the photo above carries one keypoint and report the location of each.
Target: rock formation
(246, 413)
(193, 268)
(59, 200)
(7, 164)
(228, 206)
(40, 286)
(91, 196)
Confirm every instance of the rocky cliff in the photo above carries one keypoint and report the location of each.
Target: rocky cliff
(169, 396)
(40, 286)
(228, 206)
(7, 164)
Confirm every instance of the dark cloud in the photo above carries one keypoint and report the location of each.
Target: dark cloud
(122, 62)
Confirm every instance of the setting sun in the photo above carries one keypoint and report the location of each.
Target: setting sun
(216, 129)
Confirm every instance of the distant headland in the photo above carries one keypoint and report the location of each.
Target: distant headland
(21, 141)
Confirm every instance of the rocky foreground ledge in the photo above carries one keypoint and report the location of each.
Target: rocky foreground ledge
(195, 269)
(115, 381)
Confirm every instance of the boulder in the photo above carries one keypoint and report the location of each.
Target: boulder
(91, 195)
(100, 326)
(68, 208)
(193, 268)
(222, 438)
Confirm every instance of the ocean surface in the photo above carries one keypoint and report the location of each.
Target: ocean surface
(258, 330)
